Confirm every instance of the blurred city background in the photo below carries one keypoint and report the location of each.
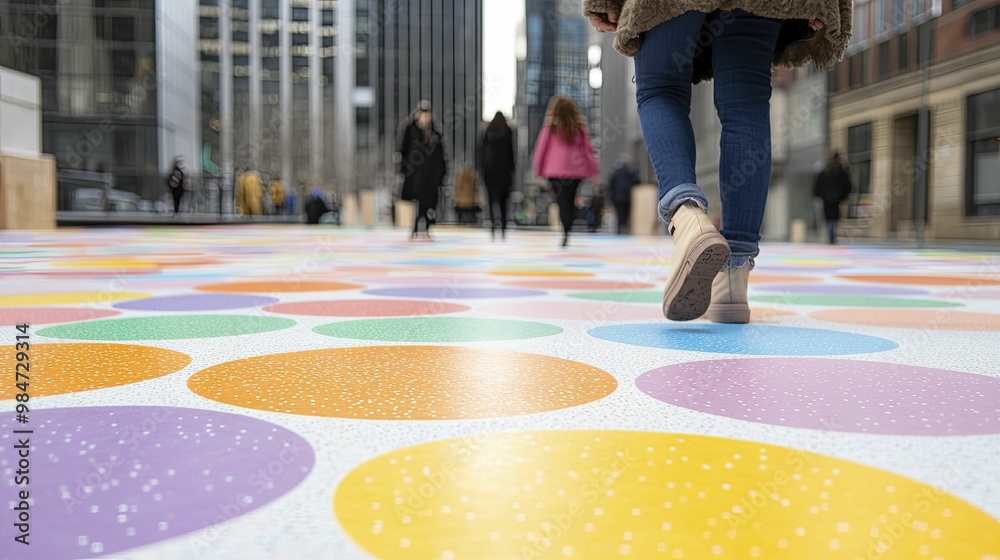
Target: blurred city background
(312, 93)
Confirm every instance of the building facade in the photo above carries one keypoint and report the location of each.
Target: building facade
(940, 59)
(118, 91)
(283, 91)
(425, 50)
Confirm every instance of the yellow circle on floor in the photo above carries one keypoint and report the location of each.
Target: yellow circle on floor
(57, 369)
(107, 263)
(615, 494)
(404, 383)
(68, 298)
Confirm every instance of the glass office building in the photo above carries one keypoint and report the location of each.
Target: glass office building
(117, 89)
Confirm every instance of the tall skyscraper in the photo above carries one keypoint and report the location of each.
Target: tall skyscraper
(428, 49)
(283, 89)
(118, 89)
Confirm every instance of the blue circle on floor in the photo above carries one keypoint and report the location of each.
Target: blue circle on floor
(754, 340)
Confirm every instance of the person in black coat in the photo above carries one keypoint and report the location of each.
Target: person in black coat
(316, 208)
(178, 183)
(422, 165)
(620, 184)
(497, 164)
(833, 186)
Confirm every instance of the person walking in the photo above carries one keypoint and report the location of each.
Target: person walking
(276, 188)
(833, 186)
(497, 164)
(679, 42)
(466, 195)
(250, 193)
(564, 156)
(422, 165)
(178, 183)
(316, 208)
(620, 185)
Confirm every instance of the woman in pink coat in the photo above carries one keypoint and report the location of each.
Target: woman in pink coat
(564, 156)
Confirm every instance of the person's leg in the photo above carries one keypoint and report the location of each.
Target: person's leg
(663, 70)
(567, 203)
(177, 200)
(831, 227)
(502, 202)
(741, 57)
(493, 213)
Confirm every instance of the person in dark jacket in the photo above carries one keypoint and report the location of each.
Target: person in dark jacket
(422, 165)
(833, 185)
(620, 184)
(178, 183)
(497, 164)
(316, 207)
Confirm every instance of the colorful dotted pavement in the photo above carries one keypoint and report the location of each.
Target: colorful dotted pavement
(496, 400)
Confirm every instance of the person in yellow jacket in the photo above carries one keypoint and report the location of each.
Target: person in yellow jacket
(277, 190)
(239, 188)
(253, 194)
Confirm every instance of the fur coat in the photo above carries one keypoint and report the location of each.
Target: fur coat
(798, 44)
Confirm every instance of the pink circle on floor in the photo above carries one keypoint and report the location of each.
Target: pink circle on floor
(51, 315)
(576, 311)
(833, 395)
(937, 320)
(580, 285)
(367, 308)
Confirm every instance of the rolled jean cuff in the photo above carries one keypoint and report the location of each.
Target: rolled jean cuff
(738, 261)
(677, 196)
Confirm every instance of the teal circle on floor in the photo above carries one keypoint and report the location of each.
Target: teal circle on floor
(168, 328)
(622, 296)
(753, 340)
(438, 329)
(853, 301)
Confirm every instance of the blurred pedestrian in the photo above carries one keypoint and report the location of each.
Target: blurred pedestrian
(178, 183)
(253, 194)
(679, 42)
(497, 164)
(422, 165)
(832, 186)
(316, 208)
(239, 191)
(621, 182)
(564, 156)
(276, 188)
(595, 214)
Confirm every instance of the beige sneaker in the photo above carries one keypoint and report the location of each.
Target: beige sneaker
(700, 252)
(729, 296)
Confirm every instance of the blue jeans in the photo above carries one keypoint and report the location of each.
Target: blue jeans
(742, 50)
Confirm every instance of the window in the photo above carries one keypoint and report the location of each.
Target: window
(956, 4)
(903, 52)
(859, 156)
(983, 21)
(328, 17)
(300, 14)
(858, 70)
(883, 60)
(925, 42)
(898, 15)
(881, 23)
(983, 161)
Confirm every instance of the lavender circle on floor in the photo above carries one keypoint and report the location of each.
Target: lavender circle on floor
(758, 340)
(834, 395)
(197, 302)
(108, 479)
(452, 292)
(843, 290)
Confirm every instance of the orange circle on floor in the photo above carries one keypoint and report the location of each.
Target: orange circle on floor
(57, 369)
(404, 383)
(278, 286)
(764, 313)
(580, 284)
(927, 280)
(938, 320)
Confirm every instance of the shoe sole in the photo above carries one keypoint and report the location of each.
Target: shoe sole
(691, 294)
(731, 313)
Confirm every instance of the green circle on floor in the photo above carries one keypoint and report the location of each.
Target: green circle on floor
(168, 327)
(622, 296)
(853, 301)
(437, 329)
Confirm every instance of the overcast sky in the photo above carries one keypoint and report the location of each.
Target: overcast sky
(500, 19)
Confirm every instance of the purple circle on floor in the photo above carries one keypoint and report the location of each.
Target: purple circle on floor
(843, 290)
(109, 479)
(833, 395)
(453, 292)
(197, 302)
